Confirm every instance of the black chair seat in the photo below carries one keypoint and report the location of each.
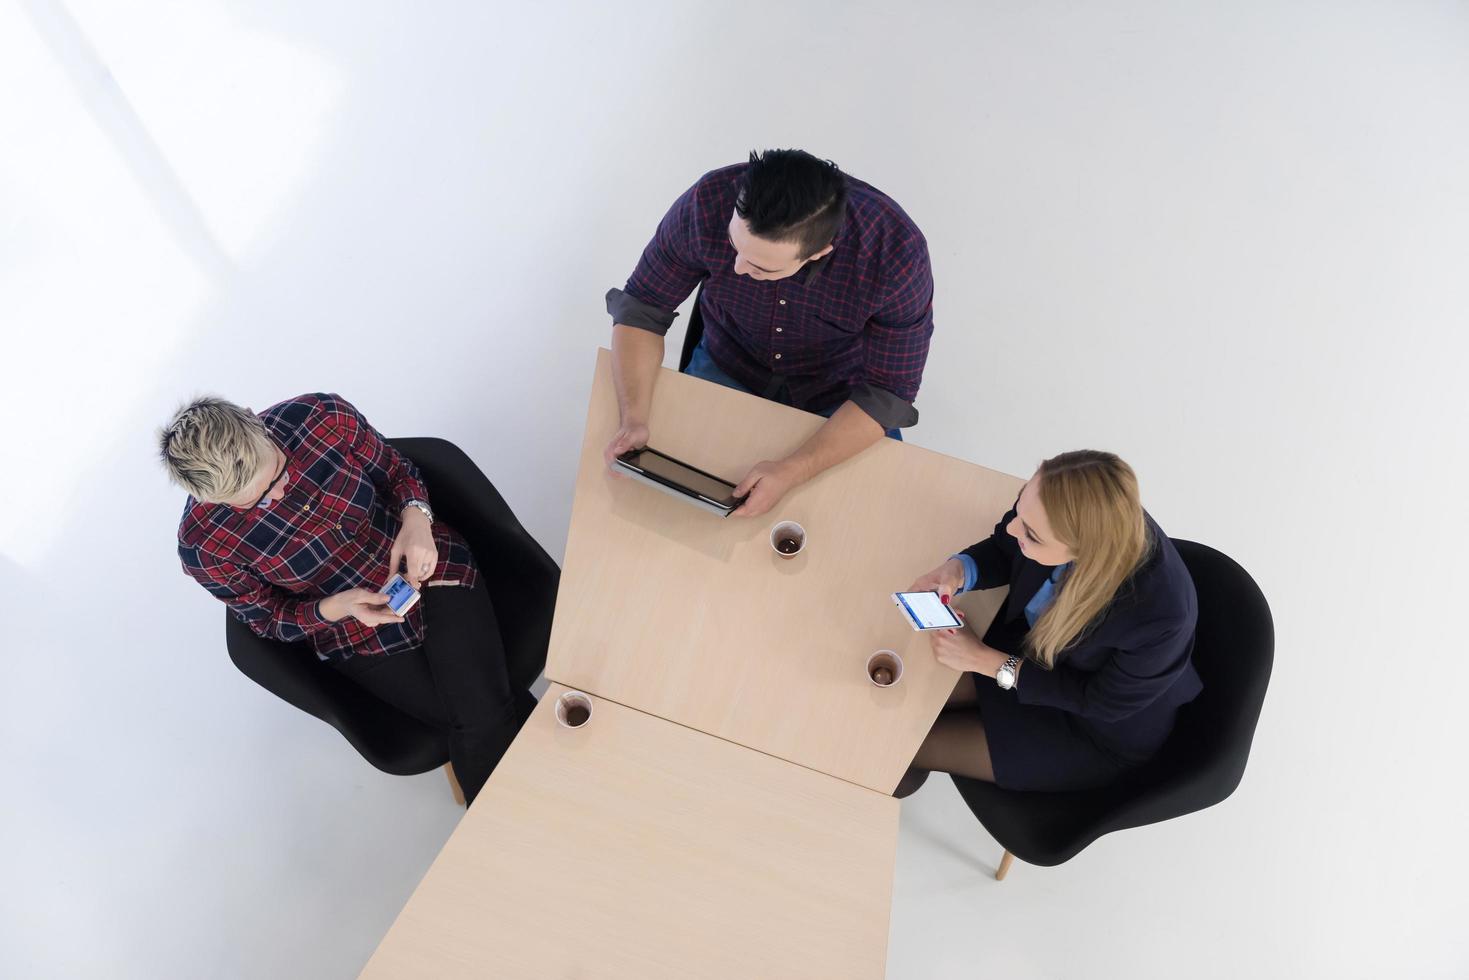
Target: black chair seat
(1204, 758)
(392, 741)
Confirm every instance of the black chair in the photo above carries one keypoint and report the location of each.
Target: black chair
(520, 577)
(694, 332)
(1204, 758)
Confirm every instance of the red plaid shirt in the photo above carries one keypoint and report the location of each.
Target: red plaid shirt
(332, 531)
(854, 325)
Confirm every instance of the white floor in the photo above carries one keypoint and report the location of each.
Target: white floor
(1225, 240)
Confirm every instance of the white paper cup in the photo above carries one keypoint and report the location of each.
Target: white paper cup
(885, 661)
(788, 531)
(573, 709)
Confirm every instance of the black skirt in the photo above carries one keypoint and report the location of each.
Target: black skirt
(1033, 747)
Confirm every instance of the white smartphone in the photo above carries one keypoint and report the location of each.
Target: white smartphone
(926, 611)
(401, 596)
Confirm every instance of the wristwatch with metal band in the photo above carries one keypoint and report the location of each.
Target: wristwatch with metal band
(1005, 676)
(423, 507)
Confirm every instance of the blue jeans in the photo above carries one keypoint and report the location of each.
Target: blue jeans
(701, 365)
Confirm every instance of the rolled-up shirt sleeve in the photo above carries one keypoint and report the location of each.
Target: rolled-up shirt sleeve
(884, 407)
(633, 313)
(668, 271)
(897, 338)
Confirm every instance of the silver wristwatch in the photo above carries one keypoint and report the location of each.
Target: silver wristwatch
(1005, 676)
(423, 507)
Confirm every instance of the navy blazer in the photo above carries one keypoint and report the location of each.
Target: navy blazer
(1125, 678)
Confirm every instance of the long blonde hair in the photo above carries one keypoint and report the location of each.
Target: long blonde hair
(1092, 502)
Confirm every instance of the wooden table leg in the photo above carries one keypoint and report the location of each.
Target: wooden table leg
(454, 783)
(1004, 867)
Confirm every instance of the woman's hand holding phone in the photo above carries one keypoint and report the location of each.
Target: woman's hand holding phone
(946, 580)
(367, 606)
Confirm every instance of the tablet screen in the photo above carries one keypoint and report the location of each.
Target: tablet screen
(928, 610)
(678, 474)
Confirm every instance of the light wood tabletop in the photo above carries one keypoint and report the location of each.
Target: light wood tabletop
(696, 619)
(633, 847)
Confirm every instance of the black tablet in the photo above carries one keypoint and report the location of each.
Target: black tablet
(688, 483)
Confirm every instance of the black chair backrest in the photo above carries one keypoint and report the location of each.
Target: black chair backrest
(1234, 647)
(1204, 758)
(695, 331)
(520, 577)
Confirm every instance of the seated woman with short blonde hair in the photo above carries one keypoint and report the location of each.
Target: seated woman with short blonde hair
(299, 516)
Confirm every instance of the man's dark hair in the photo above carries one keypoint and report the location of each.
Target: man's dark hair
(791, 196)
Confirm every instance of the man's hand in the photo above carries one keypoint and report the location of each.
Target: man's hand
(765, 485)
(414, 545)
(946, 580)
(637, 356)
(363, 605)
(849, 431)
(631, 436)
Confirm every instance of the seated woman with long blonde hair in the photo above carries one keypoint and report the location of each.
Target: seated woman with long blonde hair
(1080, 675)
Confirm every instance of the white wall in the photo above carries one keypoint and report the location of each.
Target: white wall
(1227, 241)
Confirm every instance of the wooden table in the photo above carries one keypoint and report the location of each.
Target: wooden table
(633, 847)
(694, 617)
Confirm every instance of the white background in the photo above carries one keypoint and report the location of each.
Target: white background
(1227, 241)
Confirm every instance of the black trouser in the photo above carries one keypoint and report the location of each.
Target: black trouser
(459, 681)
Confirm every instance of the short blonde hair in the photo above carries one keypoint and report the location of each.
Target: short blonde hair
(214, 448)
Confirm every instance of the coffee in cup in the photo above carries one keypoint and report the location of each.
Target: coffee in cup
(884, 668)
(788, 539)
(573, 709)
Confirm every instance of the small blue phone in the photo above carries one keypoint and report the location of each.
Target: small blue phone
(401, 595)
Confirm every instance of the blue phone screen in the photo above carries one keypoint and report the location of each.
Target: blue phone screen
(399, 592)
(927, 610)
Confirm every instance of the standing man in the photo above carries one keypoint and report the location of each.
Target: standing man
(817, 293)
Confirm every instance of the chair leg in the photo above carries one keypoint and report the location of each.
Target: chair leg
(454, 783)
(1004, 867)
